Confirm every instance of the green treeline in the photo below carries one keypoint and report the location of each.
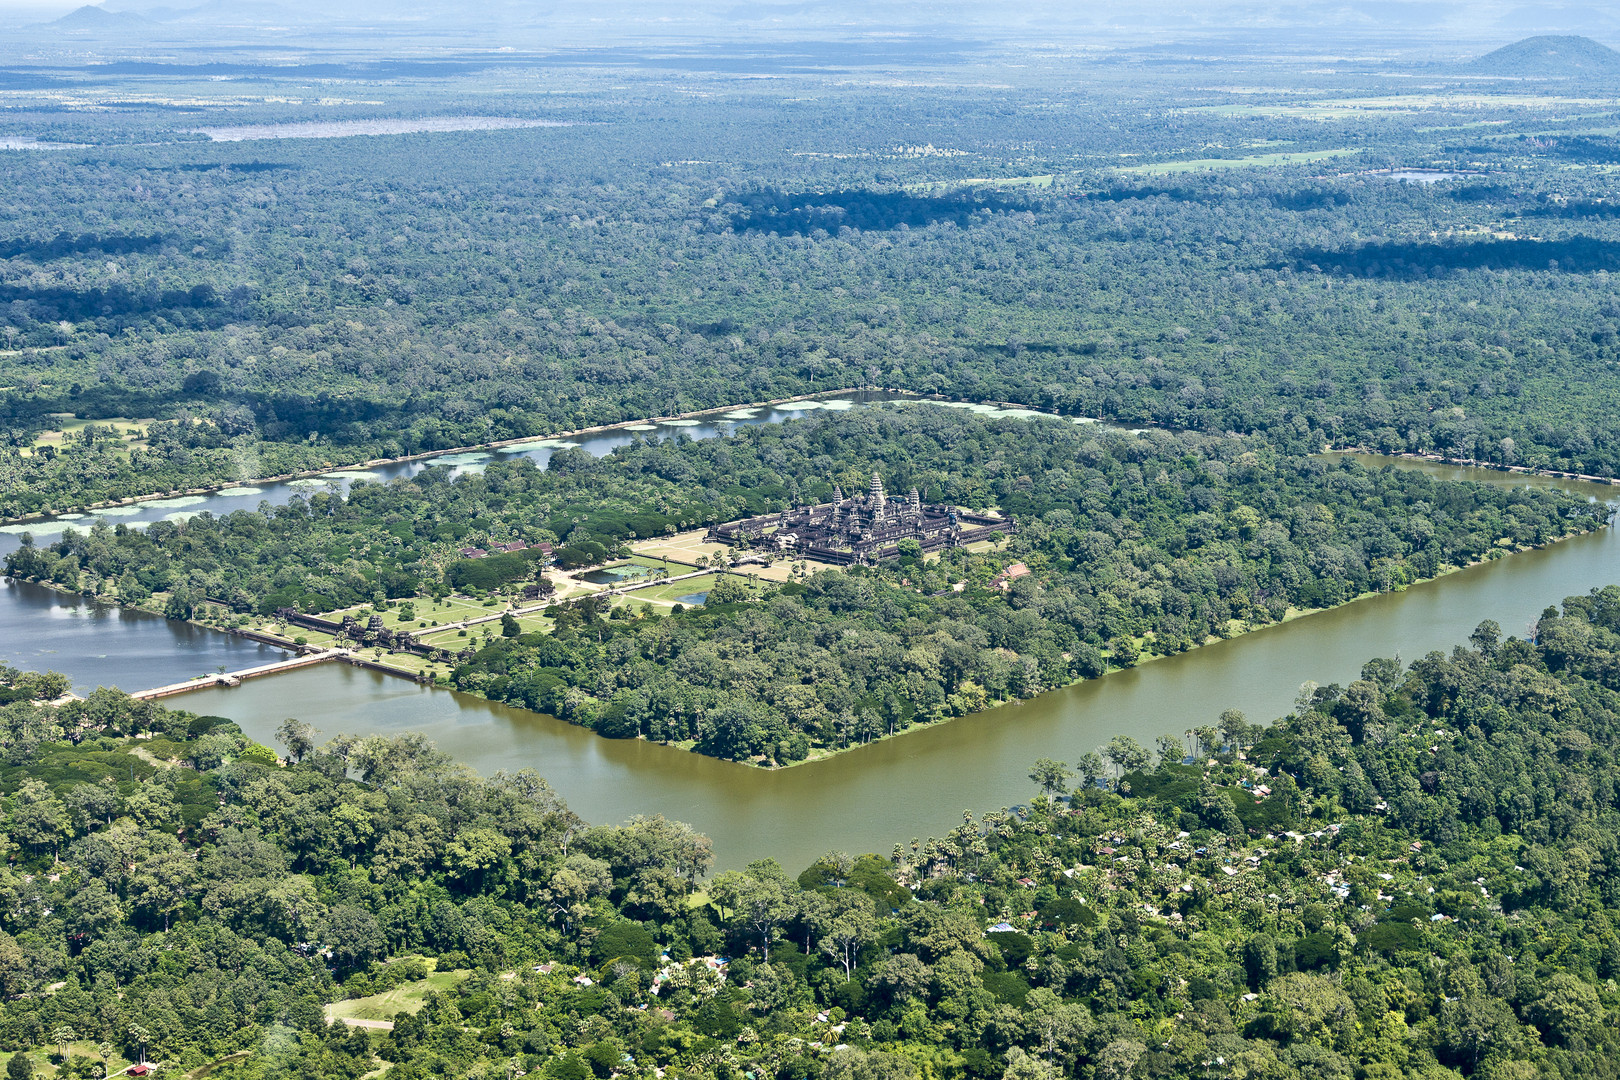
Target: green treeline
(1138, 544)
(1414, 875)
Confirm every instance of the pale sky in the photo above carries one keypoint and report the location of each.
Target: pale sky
(1443, 21)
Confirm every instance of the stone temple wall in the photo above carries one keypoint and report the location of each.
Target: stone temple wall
(860, 529)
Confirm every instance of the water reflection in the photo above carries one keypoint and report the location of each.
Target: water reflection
(105, 645)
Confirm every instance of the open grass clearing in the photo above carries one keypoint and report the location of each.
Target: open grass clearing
(1255, 161)
(452, 640)
(670, 593)
(534, 624)
(977, 547)
(409, 662)
(566, 588)
(688, 547)
(433, 612)
(407, 998)
(131, 432)
(293, 633)
(79, 1051)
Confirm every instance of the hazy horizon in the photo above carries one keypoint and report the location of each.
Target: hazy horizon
(1415, 27)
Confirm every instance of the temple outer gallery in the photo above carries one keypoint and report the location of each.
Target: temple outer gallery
(861, 529)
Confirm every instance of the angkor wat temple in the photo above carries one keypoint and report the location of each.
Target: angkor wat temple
(861, 529)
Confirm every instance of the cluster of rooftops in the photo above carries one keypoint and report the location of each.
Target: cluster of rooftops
(504, 549)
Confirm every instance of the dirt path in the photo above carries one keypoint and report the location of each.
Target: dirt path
(355, 1021)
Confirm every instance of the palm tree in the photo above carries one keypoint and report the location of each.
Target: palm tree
(140, 1036)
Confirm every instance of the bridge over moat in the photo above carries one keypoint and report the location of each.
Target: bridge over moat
(236, 678)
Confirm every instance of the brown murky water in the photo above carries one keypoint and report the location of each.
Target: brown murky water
(917, 785)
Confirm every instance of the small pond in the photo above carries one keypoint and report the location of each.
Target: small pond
(612, 575)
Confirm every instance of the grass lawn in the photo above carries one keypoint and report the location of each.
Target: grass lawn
(977, 547)
(406, 998)
(566, 588)
(453, 609)
(663, 597)
(405, 661)
(534, 624)
(446, 639)
(449, 639)
(292, 633)
(82, 1050)
(130, 432)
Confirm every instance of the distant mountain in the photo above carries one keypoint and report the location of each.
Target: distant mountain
(1550, 57)
(99, 20)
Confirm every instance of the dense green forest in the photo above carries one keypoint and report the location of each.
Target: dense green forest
(1413, 875)
(1138, 543)
(286, 304)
